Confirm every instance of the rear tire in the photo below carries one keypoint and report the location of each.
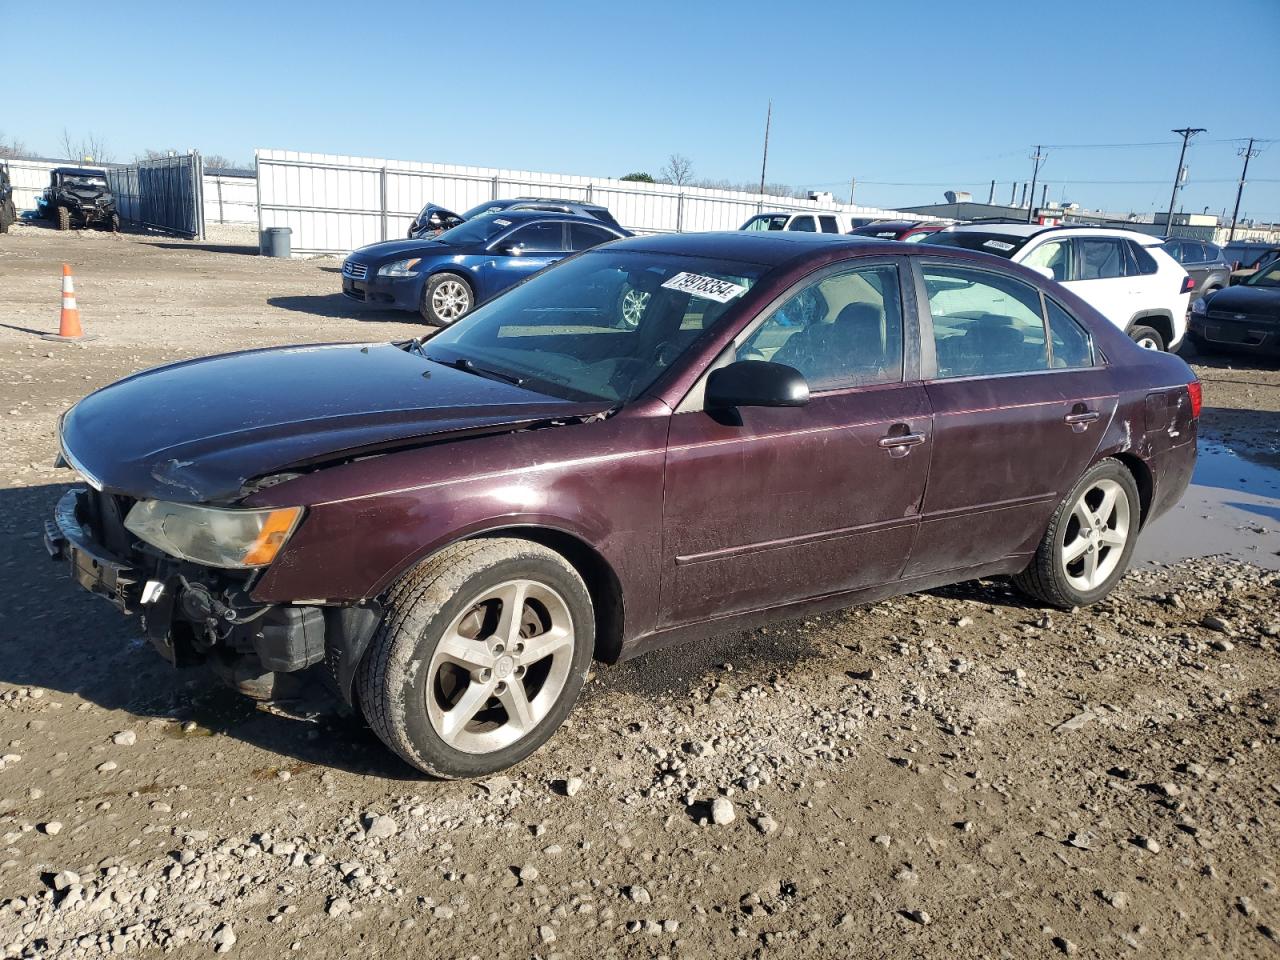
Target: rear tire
(457, 685)
(64, 218)
(1147, 338)
(1091, 536)
(446, 299)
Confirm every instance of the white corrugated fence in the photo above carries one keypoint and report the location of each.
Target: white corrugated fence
(334, 204)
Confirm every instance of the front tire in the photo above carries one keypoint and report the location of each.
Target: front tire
(64, 218)
(446, 299)
(1147, 338)
(1091, 536)
(480, 658)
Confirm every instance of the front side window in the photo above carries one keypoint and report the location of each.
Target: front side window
(984, 324)
(1056, 256)
(1101, 258)
(803, 223)
(767, 221)
(538, 238)
(842, 331)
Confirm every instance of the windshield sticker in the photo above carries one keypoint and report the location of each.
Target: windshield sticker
(998, 245)
(502, 223)
(709, 288)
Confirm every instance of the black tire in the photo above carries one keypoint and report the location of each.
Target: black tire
(8, 216)
(1140, 334)
(64, 218)
(113, 223)
(395, 679)
(1045, 578)
(429, 308)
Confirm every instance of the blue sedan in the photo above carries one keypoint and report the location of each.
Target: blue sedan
(445, 276)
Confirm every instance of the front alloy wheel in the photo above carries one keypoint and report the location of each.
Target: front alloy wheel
(481, 655)
(446, 298)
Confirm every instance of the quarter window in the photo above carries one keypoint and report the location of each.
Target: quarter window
(803, 223)
(842, 331)
(984, 324)
(1071, 345)
(582, 236)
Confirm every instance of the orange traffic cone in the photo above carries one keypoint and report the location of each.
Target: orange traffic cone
(69, 328)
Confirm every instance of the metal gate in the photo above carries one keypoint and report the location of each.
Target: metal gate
(166, 193)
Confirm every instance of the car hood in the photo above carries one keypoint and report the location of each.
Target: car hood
(198, 431)
(403, 249)
(1246, 299)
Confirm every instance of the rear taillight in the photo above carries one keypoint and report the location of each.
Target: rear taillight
(1196, 393)
(1188, 284)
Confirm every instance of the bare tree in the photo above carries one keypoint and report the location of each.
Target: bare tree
(11, 148)
(678, 170)
(216, 161)
(90, 147)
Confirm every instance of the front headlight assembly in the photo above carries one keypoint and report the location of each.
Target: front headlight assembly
(213, 536)
(401, 268)
(1199, 307)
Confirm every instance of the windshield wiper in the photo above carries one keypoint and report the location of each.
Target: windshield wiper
(470, 366)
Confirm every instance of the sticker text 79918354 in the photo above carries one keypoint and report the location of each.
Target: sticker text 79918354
(709, 288)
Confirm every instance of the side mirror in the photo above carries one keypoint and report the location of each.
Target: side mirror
(1046, 272)
(515, 250)
(756, 383)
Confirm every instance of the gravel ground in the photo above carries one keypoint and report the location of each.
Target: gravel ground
(951, 774)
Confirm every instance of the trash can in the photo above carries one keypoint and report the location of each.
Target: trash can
(276, 242)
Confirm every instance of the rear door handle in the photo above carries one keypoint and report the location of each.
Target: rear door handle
(902, 440)
(1087, 417)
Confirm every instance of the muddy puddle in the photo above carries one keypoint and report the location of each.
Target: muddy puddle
(1231, 508)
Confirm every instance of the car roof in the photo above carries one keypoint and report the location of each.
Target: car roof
(1035, 229)
(770, 249)
(82, 171)
(520, 216)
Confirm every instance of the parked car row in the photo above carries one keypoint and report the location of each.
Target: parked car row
(787, 423)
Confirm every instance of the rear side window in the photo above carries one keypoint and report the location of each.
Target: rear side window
(1101, 258)
(829, 225)
(1212, 252)
(984, 324)
(583, 236)
(1070, 343)
(803, 223)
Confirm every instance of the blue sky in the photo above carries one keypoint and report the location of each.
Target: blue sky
(910, 97)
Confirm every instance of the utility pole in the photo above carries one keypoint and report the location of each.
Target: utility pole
(991, 197)
(853, 183)
(764, 163)
(1235, 214)
(1187, 134)
(1035, 172)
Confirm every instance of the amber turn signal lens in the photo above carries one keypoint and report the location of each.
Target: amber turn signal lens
(275, 531)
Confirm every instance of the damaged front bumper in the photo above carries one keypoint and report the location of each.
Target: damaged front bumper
(193, 614)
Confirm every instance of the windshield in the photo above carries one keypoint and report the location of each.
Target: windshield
(767, 221)
(602, 326)
(1266, 277)
(492, 206)
(480, 230)
(78, 181)
(1001, 244)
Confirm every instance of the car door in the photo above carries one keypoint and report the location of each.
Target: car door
(1100, 278)
(1017, 415)
(522, 253)
(766, 506)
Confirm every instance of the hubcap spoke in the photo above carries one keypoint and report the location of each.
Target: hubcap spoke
(470, 654)
(1074, 550)
(520, 712)
(463, 712)
(545, 644)
(1108, 504)
(1112, 538)
(512, 596)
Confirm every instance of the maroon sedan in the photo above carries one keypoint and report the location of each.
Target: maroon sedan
(908, 231)
(449, 531)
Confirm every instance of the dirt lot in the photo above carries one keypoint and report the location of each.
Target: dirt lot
(953, 774)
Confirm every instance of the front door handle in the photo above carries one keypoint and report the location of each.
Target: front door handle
(1080, 417)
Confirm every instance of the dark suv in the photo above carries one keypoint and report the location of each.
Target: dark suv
(79, 197)
(1205, 263)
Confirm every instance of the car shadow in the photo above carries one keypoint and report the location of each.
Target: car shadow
(336, 305)
(244, 249)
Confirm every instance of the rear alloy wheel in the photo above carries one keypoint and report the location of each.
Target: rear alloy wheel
(482, 654)
(1090, 538)
(1147, 338)
(446, 298)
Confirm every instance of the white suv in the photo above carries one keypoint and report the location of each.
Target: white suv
(817, 222)
(1121, 273)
